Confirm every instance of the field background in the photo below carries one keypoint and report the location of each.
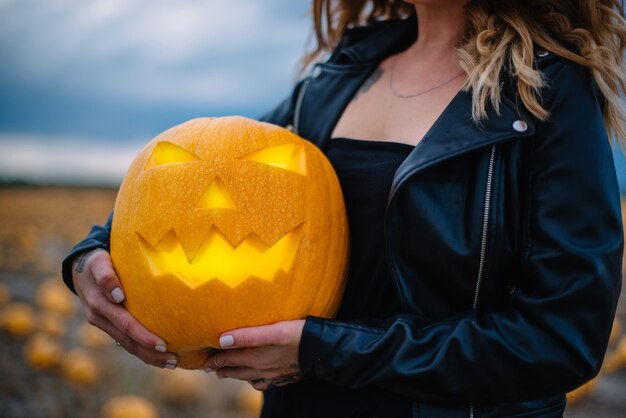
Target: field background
(38, 226)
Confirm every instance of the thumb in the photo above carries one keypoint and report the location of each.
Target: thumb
(254, 336)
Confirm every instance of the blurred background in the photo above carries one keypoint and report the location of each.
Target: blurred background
(83, 86)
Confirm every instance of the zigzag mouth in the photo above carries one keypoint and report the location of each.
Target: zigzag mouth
(221, 260)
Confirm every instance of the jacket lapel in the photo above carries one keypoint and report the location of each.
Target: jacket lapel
(455, 132)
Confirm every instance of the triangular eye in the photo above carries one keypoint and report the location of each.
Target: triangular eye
(286, 156)
(168, 153)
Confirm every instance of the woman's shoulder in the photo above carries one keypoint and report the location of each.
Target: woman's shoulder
(571, 96)
(563, 76)
(560, 72)
(372, 42)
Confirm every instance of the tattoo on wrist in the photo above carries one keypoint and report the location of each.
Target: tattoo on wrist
(82, 260)
(286, 380)
(80, 263)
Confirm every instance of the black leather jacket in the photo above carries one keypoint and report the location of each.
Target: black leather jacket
(504, 240)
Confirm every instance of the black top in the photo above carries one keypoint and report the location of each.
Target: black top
(365, 170)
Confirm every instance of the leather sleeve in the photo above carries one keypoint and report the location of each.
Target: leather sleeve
(553, 334)
(282, 115)
(98, 237)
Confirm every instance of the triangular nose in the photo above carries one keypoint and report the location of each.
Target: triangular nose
(216, 197)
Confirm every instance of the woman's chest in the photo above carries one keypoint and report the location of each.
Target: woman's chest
(376, 112)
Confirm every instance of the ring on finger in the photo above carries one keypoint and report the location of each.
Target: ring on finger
(219, 366)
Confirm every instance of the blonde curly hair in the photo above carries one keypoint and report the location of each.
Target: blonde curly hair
(501, 35)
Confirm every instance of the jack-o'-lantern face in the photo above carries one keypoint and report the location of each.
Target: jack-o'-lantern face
(224, 223)
(218, 257)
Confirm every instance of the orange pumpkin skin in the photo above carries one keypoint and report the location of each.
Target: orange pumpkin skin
(223, 223)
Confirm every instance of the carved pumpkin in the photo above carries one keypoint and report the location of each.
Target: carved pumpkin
(226, 223)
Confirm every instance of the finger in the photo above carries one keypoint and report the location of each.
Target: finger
(101, 267)
(264, 384)
(261, 384)
(282, 381)
(152, 357)
(98, 306)
(275, 334)
(130, 327)
(256, 358)
(246, 373)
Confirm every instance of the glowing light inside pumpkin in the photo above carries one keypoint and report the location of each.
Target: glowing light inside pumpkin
(216, 197)
(219, 259)
(286, 156)
(168, 153)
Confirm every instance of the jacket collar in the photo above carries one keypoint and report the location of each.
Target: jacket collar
(370, 44)
(455, 133)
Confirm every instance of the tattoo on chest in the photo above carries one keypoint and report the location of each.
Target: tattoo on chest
(367, 85)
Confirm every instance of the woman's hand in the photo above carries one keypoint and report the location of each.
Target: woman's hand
(101, 293)
(263, 356)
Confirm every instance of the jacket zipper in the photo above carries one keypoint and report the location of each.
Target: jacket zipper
(296, 112)
(483, 244)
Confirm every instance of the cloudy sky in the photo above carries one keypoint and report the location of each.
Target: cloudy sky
(85, 83)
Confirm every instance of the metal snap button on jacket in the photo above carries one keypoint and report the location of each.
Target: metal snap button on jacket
(317, 71)
(520, 126)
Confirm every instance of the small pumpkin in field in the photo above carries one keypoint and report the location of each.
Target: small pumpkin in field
(582, 391)
(53, 295)
(620, 350)
(93, 337)
(182, 386)
(51, 323)
(5, 295)
(249, 401)
(127, 406)
(42, 351)
(18, 319)
(227, 223)
(616, 330)
(79, 367)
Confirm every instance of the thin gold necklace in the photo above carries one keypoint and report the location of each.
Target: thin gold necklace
(419, 93)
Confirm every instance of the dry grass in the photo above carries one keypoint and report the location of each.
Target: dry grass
(39, 226)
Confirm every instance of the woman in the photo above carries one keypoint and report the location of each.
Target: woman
(485, 217)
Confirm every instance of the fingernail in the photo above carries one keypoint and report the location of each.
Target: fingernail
(172, 362)
(208, 370)
(226, 340)
(117, 295)
(170, 366)
(161, 348)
